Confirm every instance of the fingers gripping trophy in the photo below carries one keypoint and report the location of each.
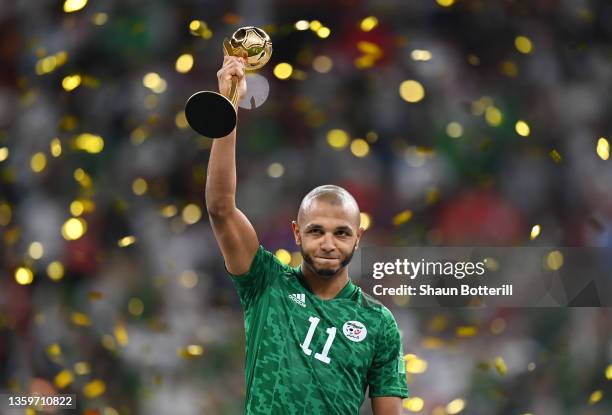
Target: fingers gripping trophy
(213, 114)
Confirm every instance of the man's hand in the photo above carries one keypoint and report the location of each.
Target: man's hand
(232, 67)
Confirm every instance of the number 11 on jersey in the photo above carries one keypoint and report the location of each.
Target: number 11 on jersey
(331, 333)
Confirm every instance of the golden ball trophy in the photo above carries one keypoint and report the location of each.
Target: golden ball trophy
(214, 115)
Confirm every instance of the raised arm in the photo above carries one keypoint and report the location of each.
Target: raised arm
(234, 233)
(387, 405)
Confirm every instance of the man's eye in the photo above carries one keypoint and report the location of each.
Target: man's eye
(342, 233)
(315, 231)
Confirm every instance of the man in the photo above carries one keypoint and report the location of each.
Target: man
(315, 342)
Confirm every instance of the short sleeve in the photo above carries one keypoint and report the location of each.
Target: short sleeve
(387, 375)
(250, 285)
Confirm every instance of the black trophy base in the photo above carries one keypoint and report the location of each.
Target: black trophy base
(210, 114)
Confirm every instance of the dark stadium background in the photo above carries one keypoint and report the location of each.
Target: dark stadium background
(112, 285)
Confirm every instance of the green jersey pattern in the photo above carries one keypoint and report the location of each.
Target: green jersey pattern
(305, 355)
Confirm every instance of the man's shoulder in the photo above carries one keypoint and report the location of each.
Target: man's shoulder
(377, 308)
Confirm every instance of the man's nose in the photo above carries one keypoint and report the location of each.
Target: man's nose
(328, 242)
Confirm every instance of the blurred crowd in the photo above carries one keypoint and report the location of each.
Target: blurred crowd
(463, 122)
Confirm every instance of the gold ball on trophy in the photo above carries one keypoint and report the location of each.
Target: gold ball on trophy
(254, 44)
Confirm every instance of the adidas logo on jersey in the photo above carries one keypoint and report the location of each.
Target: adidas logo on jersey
(298, 299)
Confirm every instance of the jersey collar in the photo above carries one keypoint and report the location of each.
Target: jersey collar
(346, 292)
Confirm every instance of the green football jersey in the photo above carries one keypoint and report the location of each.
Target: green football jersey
(305, 355)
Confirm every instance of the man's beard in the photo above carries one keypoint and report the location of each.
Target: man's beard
(326, 273)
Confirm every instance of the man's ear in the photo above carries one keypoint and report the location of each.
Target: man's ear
(296, 232)
(360, 232)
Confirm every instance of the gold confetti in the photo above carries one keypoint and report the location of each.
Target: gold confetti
(82, 178)
(455, 406)
(94, 388)
(498, 326)
(4, 153)
(184, 63)
(432, 343)
(315, 25)
(191, 214)
(466, 331)
(432, 196)
(595, 397)
(55, 270)
(473, 60)
(54, 350)
(36, 250)
(402, 217)
(554, 260)
(302, 25)
(420, 55)
(276, 170)
(283, 256)
(139, 186)
(493, 116)
(324, 32)
(121, 334)
(126, 241)
(365, 220)
(95, 295)
(438, 323)
(609, 372)
(135, 306)
(413, 404)
(283, 70)
(56, 147)
(554, 154)
(6, 214)
(200, 28)
(190, 352)
(38, 162)
(445, 3)
(369, 48)
(24, 276)
(522, 128)
(63, 379)
(535, 232)
(500, 365)
(369, 23)
(603, 148)
(108, 342)
(99, 19)
(414, 364)
(454, 129)
(360, 147)
(411, 91)
(337, 138)
(188, 279)
(80, 319)
(509, 69)
(90, 143)
(82, 368)
(74, 5)
(71, 82)
(523, 44)
(168, 211)
(74, 228)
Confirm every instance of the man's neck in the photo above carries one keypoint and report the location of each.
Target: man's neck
(325, 288)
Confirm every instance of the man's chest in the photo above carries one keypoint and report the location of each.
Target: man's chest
(336, 336)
